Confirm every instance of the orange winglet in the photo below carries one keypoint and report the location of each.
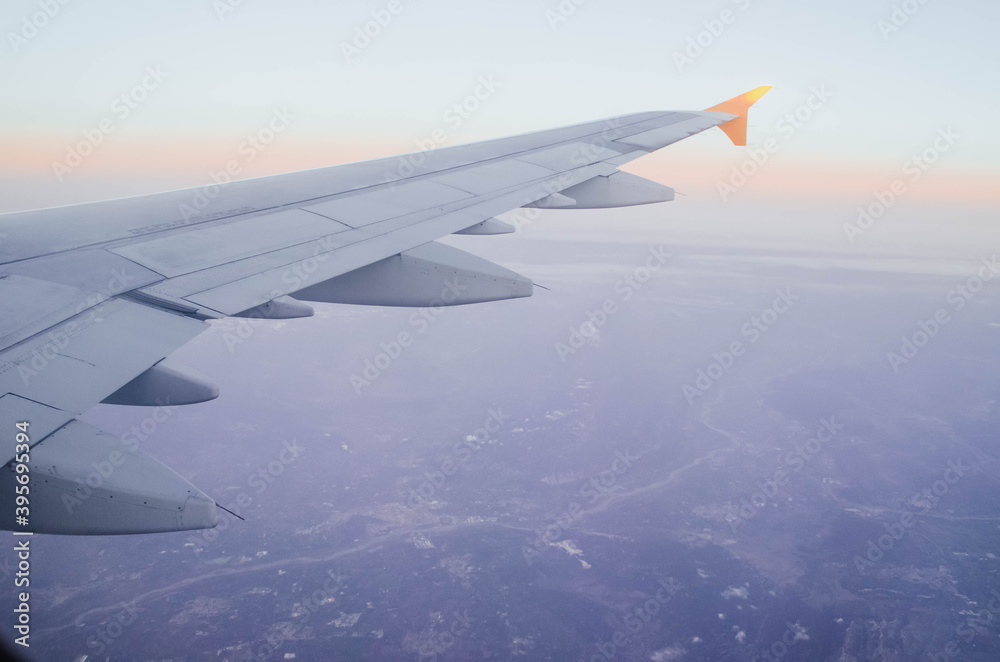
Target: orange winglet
(736, 128)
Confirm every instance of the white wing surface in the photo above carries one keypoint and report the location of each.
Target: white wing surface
(95, 296)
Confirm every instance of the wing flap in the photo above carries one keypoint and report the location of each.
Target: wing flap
(42, 419)
(178, 253)
(361, 209)
(322, 260)
(680, 126)
(494, 176)
(572, 155)
(81, 361)
(32, 305)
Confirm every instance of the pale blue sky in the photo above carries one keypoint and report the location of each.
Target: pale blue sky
(607, 58)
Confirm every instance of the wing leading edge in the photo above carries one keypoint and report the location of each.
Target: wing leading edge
(97, 295)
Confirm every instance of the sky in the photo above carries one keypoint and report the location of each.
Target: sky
(160, 96)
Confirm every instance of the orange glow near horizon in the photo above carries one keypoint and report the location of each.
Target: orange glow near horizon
(851, 183)
(194, 160)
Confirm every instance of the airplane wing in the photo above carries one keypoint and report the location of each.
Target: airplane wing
(95, 296)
